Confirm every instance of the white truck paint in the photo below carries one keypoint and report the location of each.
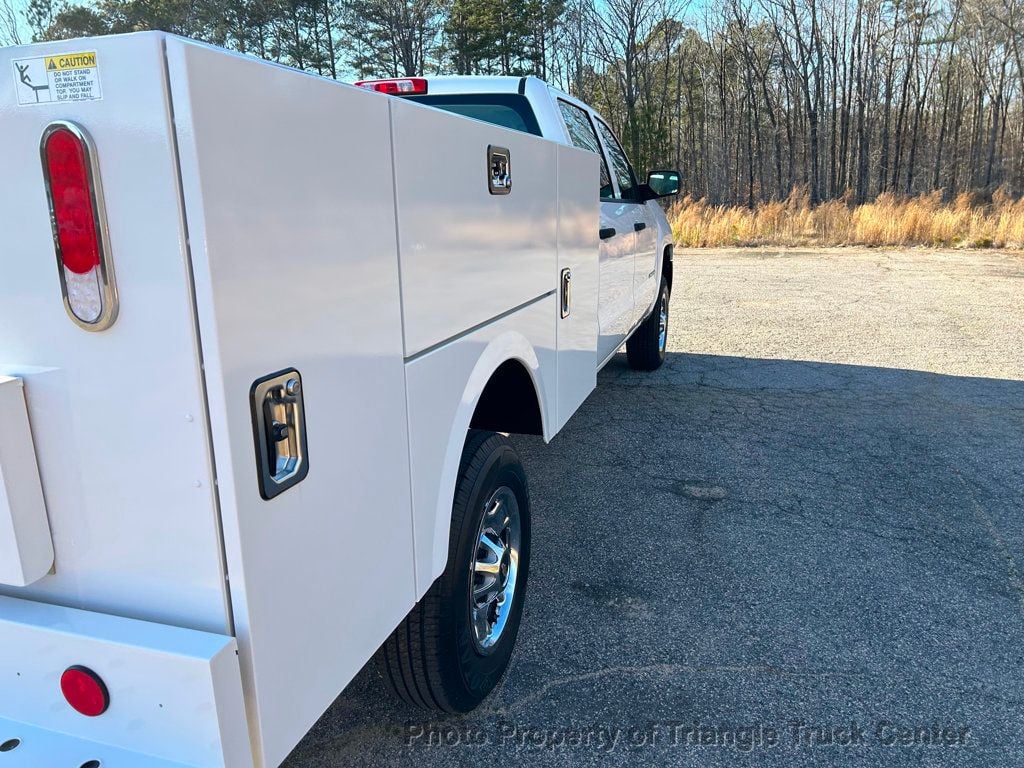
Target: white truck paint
(259, 220)
(633, 259)
(26, 548)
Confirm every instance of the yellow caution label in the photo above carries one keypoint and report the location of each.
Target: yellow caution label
(71, 61)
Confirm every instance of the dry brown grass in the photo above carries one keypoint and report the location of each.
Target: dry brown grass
(967, 222)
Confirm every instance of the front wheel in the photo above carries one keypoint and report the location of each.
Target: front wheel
(454, 646)
(645, 349)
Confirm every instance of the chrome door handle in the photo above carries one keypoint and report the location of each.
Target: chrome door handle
(566, 292)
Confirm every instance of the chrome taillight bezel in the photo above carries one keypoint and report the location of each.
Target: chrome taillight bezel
(107, 284)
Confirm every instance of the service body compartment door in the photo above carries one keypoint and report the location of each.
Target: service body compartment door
(469, 253)
(289, 192)
(578, 278)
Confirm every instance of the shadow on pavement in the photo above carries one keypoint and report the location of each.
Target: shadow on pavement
(732, 548)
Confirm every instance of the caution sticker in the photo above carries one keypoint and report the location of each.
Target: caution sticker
(64, 77)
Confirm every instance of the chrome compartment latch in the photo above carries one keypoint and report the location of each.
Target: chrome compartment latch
(279, 430)
(499, 170)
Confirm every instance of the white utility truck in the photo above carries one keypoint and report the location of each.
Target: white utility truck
(261, 338)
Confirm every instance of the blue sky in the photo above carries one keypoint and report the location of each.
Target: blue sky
(19, 6)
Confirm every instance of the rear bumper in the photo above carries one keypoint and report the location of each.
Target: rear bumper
(175, 694)
(38, 748)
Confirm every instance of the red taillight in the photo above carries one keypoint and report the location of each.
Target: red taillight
(405, 86)
(76, 215)
(73, 213)
(84, 691)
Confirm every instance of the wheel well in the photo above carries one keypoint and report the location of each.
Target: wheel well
(509, 402)
(666, 266)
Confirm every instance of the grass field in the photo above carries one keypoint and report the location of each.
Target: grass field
(969, 221)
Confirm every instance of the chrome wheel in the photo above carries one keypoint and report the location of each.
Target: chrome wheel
(663, 323)
(495, 568)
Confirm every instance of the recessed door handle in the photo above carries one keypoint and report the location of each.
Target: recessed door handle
(566, 292)
(607, 232)
(639, 226)
(279, 427)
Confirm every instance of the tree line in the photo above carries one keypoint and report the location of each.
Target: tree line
(844, 99)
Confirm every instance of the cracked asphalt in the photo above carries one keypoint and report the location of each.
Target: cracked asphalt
(798, 543)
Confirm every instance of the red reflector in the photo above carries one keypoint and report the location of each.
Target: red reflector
(73, 211)
(405, 86)
(84, 691)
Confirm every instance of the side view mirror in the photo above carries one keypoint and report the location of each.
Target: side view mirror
(663, 183)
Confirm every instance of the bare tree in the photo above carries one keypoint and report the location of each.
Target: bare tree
(10, 33)
(623, 33)
(837, 99)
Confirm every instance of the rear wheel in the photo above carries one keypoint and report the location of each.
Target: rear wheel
(454, 646)
(645, 349)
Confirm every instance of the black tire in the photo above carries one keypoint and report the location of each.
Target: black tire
(645, 349)
(432, 660)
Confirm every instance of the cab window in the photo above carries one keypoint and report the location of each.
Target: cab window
(623, 170)
(582, 135)
(505, 109)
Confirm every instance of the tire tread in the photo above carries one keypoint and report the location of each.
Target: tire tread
(406, 660)
(642, 350)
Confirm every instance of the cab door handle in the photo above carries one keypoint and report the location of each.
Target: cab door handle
(607, 232)
(639, 226)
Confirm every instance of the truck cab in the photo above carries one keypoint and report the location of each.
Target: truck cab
(636, 239)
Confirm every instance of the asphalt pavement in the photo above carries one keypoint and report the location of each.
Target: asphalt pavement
(800, 542)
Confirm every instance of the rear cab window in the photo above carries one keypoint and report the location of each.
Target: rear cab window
(623, 170)
(509, 110)
(583, 136)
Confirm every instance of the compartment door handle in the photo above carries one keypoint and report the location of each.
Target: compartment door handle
(566, 292)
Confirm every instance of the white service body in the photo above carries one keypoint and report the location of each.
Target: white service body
(636, 239)
(258, 220)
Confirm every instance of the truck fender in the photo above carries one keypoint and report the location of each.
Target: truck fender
(507, 346)
(666, 242)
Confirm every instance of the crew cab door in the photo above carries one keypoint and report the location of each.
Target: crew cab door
(635, 215)
(616, 269)
(646, 280)
(618, 239)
